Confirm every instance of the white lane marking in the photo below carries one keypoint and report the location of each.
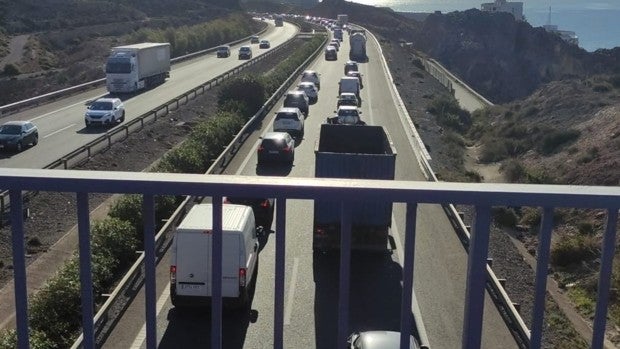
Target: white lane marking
(161, 301)
(58, 131)
(369, 100)
(64, 108)
(288, 308)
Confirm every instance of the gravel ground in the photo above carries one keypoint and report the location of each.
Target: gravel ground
(49, 220)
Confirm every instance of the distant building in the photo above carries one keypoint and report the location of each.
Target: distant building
(566, 35)
(514, 8)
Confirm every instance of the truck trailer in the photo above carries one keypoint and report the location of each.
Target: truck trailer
(279, 20)
(357, 43)
(135, 67)
(361, 152)
(343, 20)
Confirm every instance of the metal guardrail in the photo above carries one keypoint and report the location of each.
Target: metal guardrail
(496, 290)
(136, 271)
(106, 140)
(45, 97)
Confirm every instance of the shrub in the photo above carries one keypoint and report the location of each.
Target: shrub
(449, 113)
(129, 208)
(586, 228)
(11, 70)
(573, 249)
(247, 88)
(513, 170)
(615, 81)
(493, 150)
(505, 217)
(530, 216)
(601, 88)
(557, 138)
(38, 340)
(114, 237)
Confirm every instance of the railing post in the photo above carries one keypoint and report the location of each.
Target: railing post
(409, 253)
(542, 263)
(476, 279)
(345, 277)
(278, 328)
(86, 278)
(148, 214)
(19, 268)
(216, 272)
(604, 281)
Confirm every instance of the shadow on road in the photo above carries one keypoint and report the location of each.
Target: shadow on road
(191, 328)
(274, 169)
(375, 295)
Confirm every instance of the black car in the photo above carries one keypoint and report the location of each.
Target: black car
(263, 209)
(264, 44)
(245, 52)
(297, 99)
(331, 54)
(223, 51)
(18, 134)
(276, 147)
(358, 75)
(350, 66)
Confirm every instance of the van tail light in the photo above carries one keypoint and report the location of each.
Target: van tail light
(173, 274)
(265, 204)
(225, 200)
(242, 276)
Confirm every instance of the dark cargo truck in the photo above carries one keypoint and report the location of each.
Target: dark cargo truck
(363, 152)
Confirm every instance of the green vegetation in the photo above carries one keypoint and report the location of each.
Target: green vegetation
(557, 138)
(55, 310)
(449, 114)
(186, 39)
(505, 217)
(11, 70)
(574, 249)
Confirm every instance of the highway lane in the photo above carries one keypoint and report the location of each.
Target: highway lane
(61, 123)
(311, 285)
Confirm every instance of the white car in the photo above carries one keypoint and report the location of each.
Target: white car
(311, 76)
(310, 89)
(289, 120)
(105, 111)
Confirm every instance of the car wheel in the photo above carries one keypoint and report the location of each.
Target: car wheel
(122, 117)
(35, 140)
(19, 146)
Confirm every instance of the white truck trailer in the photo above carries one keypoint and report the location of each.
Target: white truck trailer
(357, 43)
(135, 67)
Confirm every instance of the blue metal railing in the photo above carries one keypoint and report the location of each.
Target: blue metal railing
(483, 196)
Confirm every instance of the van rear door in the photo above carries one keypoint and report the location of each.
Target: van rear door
(193, 259)
(194, 264)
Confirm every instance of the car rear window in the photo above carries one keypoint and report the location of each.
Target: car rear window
(290, 116)
(271, 144)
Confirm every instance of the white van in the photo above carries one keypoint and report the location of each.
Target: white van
(350, 84)
(190, 267)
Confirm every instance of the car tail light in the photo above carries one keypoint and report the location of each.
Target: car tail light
(265, 204)
(242, 276)
(261, 148)
(225, 200)
(320, 231)
(287, 149)
(173, 274)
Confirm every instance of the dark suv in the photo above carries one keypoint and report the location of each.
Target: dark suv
(297, 99)
(263, 209)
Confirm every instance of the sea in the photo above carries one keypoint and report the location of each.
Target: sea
(596, 22)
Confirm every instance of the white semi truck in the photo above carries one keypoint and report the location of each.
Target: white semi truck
(343, 20)
(135, 67)
(357, 43)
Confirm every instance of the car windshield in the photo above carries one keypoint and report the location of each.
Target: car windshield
(223, 49)
(118, 66)
(101, 106)
(10, 129)
(244, 49)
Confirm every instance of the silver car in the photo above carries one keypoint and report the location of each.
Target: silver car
(310, 89)
(105, 111)
(311, 76)
(18, 134)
